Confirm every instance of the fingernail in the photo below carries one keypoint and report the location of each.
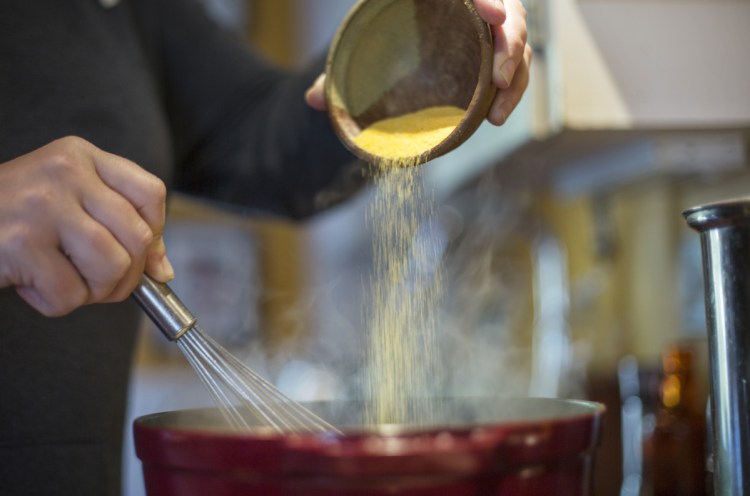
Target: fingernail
(506, 108)
(500, 113)
(499, 116)
(507, 70)
(166, 268)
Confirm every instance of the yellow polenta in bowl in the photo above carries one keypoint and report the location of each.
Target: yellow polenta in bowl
(409, 80)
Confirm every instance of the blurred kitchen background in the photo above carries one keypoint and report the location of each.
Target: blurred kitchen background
(570, 271)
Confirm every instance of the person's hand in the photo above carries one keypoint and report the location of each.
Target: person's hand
(315, 95)
(79, 225)
(512, 60)
(511, 64)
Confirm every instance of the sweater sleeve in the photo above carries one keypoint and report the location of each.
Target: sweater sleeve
(241, 130)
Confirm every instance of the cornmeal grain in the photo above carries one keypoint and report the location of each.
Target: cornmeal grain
(397, 139)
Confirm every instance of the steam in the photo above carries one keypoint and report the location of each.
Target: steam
(481, 241)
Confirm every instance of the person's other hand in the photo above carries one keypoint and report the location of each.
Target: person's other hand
(512, 60)
(511, 64)
(315, 95)
(79, 225)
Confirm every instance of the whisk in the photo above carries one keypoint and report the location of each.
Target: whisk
(246, 400)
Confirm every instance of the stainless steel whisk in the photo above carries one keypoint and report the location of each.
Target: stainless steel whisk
(246, 399)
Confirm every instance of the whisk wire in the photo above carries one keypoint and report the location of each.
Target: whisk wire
(291, 414)
(227, 407)
(240, 393)
(240, 390)
(212, 365)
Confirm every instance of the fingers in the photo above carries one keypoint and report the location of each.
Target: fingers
(142, 189)
(512, 58)
(79, 225)
(507, 99)
(492, 11)
(315, 95)
(510, 44)
(99, 258)
(143, 195)
(56, 287)
(110, 259)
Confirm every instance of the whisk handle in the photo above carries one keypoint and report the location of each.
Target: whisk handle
(163, 307)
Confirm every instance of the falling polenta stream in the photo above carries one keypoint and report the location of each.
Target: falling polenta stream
(403, 369)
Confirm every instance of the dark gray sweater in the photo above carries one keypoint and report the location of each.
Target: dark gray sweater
(154, 81)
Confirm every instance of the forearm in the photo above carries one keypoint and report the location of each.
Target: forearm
(274, 154)
(241, 129)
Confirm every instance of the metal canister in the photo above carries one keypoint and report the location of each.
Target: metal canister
(724, 229)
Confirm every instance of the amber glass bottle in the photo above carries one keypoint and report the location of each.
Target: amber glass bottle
(679, 436)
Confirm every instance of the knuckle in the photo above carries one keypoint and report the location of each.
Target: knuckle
(53, 309)
(154, 213)
(120, 264)
(75, 142)
(67, 298)
(18, 241)
(152, 206)
(98, 293)
(101, 290)
(98, 240)
(65, 162)
(95, 237)
(57, 309)
(158, 191)
(68, 156)
(40, 198)
(516, 44)
(144, 237)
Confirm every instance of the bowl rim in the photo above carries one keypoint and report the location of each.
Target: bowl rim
(586, 410)
(467, 451)
(476, 111)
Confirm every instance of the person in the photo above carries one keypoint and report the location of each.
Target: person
(104, 107)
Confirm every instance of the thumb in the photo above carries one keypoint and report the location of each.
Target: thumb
(158, 265)
(315, 95)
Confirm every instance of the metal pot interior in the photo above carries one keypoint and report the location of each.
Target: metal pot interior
(452, 413)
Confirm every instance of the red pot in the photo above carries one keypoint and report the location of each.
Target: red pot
(499, 447)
